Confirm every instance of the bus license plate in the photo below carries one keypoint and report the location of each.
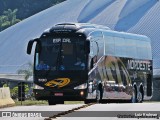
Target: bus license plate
(58, 94)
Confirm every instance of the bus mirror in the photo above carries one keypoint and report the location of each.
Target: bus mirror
(30, 44)
(87, 47)
(29, 47)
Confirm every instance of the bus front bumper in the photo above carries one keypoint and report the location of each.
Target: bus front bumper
(65, 95)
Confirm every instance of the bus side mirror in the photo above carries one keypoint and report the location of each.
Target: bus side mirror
(29, 47)
(87, 47)
(30, 44)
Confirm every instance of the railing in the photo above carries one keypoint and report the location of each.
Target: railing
(10, 72)
(12, 69)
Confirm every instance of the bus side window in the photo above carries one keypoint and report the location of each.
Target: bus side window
(93, 62)
(109, 45)
(91, 49)
(94, 49)
(37, 59)
(96, 38)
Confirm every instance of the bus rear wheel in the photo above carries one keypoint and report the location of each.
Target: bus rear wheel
(139, 97)
(99, 96)
(134, 96)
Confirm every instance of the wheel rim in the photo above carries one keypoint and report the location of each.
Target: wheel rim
(139, 97)
(98, 95)
(133, 96)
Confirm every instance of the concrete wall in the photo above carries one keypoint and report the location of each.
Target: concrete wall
(5, 97)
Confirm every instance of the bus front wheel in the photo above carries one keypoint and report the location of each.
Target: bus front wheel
(53, 102)
(87, 101)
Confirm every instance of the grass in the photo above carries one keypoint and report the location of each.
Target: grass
(73, 102)
(42, 102)
(31, 102)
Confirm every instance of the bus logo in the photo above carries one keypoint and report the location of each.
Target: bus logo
(65, 40)
(59, 82)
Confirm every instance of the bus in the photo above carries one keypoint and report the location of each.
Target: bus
(89, 62)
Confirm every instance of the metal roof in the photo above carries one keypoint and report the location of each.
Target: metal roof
(135, 16)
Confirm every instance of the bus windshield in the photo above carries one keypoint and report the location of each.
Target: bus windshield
(61, 53)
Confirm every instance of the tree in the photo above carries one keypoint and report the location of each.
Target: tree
(27, 70)
(11, 16)
(8, 19)
(3, 22)
(14, 92)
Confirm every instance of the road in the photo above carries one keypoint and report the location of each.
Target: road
(84, 112)
(44, 110)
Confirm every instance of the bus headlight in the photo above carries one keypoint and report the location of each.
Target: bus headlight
(80, 87)
(38, 87)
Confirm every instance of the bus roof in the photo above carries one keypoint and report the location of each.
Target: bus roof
(75, 27)
(126, 35)
(85, 25)
(87, 28)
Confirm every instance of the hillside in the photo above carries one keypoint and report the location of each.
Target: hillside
(21, 9)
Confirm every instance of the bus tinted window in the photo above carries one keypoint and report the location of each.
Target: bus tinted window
(131, 49)
(109, 45)
(120, 47)
(142, 49)
(125, 47)
(149, 50)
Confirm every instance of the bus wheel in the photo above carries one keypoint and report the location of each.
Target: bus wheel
(87, 101)
(98, 96)
(139, 97)
(134, 98)
(59, 102)
(51, 102)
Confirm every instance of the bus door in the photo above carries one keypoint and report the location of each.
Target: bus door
(110, 73)
(110, 90)
(111, 85)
